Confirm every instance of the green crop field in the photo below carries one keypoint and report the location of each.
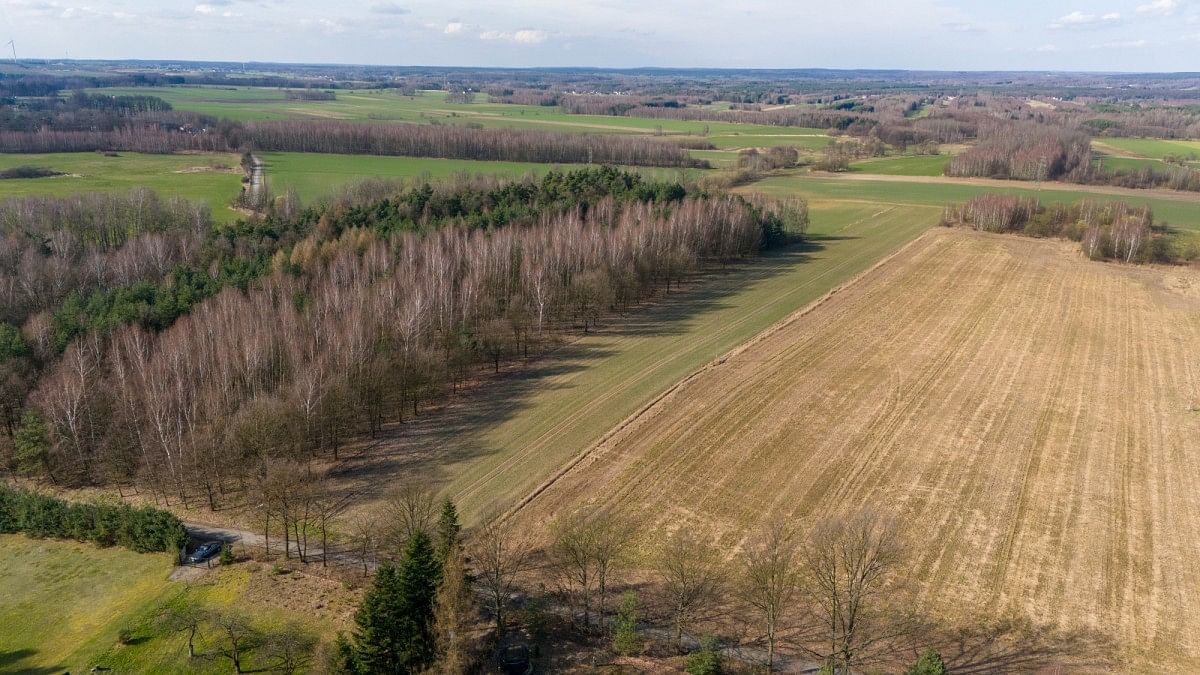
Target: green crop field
(1151, 148)
(1180, 210)
(63, 604)
(314, 176)
(903, 165)
(211, 178)
(500, 443)
(261, 103)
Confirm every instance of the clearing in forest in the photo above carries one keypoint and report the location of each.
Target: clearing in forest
(1030, 415)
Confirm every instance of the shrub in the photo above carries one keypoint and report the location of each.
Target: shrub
(140, 529)
(226, 554)
(627, 641)
(929, 663)
(706, 660)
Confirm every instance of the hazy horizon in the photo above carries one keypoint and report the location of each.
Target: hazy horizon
(1132, 36)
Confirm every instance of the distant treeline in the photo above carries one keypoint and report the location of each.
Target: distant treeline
(309, 95)
(140, 529)
(463, 143)
(1105, 230)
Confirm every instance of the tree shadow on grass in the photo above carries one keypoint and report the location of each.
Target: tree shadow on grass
(14, 662)
(434, 445)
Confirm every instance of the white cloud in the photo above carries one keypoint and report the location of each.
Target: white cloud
(1046, 49)
(530, 37)
(1159, 7)
(1123, 44)
(207, 9)
(524, 36)
(453, 28)
(1078, 19)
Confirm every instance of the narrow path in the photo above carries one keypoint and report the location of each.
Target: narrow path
(256, 180)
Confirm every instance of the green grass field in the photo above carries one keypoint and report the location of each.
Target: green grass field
(1180, 211)
(903, 165)
(1151, 148)
(62, 605)
(508, 439)
(260, 103)
(214, 179)
(314, 176)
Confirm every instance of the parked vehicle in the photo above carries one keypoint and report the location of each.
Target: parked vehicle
(203, 552)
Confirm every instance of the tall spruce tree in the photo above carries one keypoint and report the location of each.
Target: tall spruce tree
(394, 624)
(448, 529)
(420, 574)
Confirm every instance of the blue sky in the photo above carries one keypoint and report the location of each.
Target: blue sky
(1108, 35)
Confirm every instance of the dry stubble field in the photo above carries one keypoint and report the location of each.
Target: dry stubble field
(1032, 417)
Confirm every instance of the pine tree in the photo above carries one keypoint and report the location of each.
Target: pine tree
(374, 647)
(448, 529)
(419, 576)
(394, 632)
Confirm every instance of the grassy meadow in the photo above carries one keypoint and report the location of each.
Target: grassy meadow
(63, 605)
(314, 176)
(214, 179)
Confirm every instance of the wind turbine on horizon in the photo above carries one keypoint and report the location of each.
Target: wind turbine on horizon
(14, 49)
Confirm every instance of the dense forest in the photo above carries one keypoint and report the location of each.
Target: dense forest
(364, 308)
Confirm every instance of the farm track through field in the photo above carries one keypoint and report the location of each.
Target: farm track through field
(1029, 414)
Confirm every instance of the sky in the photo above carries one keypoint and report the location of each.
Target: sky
(1093, 35)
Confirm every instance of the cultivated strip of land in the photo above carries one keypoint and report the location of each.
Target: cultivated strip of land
(1030, 415)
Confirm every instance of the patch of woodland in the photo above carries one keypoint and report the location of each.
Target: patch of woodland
(351, 314)
(1111, 230)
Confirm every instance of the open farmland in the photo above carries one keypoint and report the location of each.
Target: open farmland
(497, 445)
(313, 176)
(264, 103)
(1027, 413)
(214, 179)
(1179, 210)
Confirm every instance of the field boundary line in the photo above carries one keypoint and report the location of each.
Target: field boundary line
(670, 391)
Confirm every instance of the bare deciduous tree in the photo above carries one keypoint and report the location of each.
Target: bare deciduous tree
(500, 556)
(410, 509)
(692, 573)
(771, 576)
(847, 562)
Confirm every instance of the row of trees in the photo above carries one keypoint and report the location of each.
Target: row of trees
(462, 143)
(1106, 231)
(145, 138)
(824, 593)
(40, 515)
